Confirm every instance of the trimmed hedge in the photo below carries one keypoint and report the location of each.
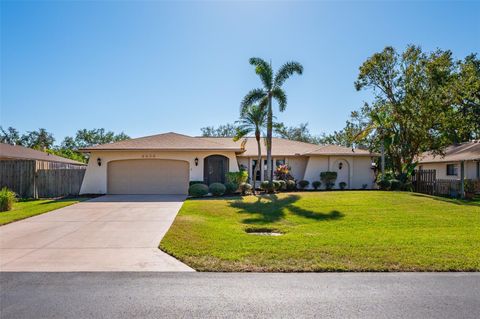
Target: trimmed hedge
(217, 189)
(316, 184)
(198, 190)
(230, 188)
(291, 185)
(303, 184)
(328, 178)
(195, 182)
(342, 185)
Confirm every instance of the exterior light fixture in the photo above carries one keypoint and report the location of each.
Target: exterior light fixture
(196, 161)
(340, 165)
(99, 161)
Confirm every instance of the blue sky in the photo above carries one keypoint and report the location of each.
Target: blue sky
(152, 67)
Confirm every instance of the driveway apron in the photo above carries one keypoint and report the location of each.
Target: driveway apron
(108, 233)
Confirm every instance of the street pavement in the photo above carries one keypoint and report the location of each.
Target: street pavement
(239, 295)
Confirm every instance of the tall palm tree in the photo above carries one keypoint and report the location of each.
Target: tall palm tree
(272, 89)
(252, 120)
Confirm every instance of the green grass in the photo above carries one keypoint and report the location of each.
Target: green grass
(31, 207)
(328, 231)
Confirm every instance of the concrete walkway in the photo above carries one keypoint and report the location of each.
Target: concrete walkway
(109, 233)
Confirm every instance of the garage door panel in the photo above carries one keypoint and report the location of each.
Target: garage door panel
(148, 176)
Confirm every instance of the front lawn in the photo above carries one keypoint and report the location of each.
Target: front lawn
(328, 231)
(31, 207)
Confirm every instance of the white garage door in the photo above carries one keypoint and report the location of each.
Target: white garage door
(148, 176)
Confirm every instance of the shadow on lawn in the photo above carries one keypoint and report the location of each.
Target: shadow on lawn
(474, 202)
(272, 209)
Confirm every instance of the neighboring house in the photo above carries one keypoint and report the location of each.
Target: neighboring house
(11, 152)
(32, 173)
(449, 165)
(165, 163)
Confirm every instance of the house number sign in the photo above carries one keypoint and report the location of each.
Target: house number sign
(148, 155)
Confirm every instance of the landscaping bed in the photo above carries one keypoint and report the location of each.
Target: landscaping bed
(327, 231)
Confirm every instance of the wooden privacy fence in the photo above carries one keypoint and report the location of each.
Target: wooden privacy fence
(425, 181)
(31, 178)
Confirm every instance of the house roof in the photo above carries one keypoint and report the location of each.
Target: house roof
(284, 147)
(468, 151)
(8, 151)
(166, 141)
(244, 147)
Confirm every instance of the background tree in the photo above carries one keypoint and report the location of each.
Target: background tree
(419, 94)
(272, 90)
(10, 136)
(39, 140)
(253, 120)
(226, 130)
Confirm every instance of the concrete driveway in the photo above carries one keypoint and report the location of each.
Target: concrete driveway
(108, 233)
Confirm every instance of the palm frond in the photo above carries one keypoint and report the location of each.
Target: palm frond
(252, 97)
(281, 98)
(286, 71)
(241, 133)
(264, 71)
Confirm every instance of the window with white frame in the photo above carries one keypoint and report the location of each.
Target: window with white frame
(452, 170)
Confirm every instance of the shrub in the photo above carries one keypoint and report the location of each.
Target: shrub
(198, 190)
(395, 184)
(291, 185)
(364, 186)
(237, 177)
(303, 184)
(245, 188)
(407, 186)
(7, 198)
(316, 184)
(328, 178)
(342, 185)
(276, 185)
(217, 189)
(283, 185)
(230, 188)
(282, 172)
(195, 182)
(266, 186)
(384, 184)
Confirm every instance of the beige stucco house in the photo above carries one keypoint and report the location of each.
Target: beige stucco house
(449, 165)
(165, 163)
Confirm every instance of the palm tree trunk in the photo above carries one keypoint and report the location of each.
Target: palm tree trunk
(269, 139)
(259, 162)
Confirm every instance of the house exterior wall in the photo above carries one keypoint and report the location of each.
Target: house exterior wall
(298, 166)
(95, 180)
(359, 170)
(441, 169)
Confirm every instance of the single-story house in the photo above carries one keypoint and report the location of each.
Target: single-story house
(448, 166)
(165, 163)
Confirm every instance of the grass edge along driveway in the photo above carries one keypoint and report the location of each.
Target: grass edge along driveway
(26, 208)
(328, 231)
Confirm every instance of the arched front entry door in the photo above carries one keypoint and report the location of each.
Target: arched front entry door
(214, 169)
